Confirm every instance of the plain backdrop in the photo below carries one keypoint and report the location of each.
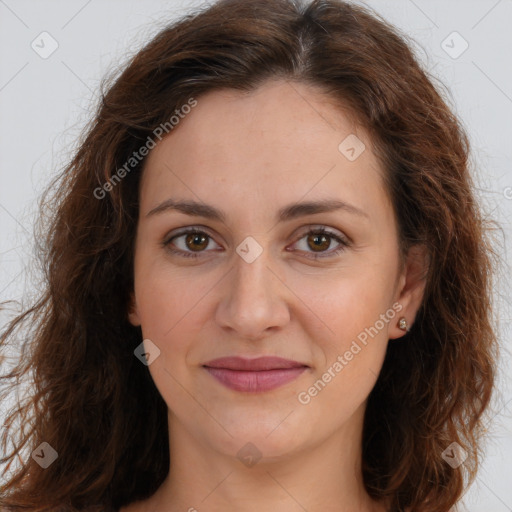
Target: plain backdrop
(46, 99)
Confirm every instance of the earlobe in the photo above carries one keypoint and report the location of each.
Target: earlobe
(133, 315)
(403, 325)
(411, 289)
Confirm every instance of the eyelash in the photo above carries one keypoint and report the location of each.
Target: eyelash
(315, 256)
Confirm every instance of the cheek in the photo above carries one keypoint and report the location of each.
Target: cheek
(350, 357)
(347, 301)
(355, 309)
(165, 296)
(168, 305)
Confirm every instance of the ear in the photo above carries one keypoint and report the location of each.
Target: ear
(133, 314)
(411, 288)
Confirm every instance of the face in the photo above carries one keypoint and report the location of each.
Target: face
(320, 287)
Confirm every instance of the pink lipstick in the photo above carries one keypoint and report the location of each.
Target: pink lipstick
(254, 375)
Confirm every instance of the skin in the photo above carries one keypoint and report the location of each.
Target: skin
(249, 154)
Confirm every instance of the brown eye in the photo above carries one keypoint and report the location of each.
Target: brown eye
(318, 241)
(197, 241)
(189, 243)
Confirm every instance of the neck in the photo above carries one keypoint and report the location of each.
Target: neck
(325, 477)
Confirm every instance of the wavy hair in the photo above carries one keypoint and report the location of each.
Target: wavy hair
(93, 401)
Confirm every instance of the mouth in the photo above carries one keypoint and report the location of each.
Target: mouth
(254, 375)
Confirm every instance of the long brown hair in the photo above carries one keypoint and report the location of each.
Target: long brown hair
(96, 404)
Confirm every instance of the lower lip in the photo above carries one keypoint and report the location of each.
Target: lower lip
(255, 381)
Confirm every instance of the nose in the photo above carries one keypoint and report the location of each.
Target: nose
(254, 302)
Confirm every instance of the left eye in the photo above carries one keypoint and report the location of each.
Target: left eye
(318, 239)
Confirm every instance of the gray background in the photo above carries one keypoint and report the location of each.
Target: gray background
(44, 103)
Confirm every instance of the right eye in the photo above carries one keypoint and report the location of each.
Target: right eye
(190, 239)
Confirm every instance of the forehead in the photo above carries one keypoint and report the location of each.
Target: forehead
(275, 144)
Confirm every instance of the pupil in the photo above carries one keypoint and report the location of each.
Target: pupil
(316, 239)
(192, 239)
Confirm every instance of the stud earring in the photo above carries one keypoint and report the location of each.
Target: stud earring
(402, 324)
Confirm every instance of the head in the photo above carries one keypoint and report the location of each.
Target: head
(310, 103)
(198, 296)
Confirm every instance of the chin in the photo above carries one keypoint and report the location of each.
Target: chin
(269, 438)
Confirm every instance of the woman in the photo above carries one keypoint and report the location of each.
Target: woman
(268, 281)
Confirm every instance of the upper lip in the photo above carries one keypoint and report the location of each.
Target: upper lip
(254, 365)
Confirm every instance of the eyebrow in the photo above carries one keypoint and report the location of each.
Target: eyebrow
(287, 213)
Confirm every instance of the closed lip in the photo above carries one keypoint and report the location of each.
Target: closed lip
(258, 364)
